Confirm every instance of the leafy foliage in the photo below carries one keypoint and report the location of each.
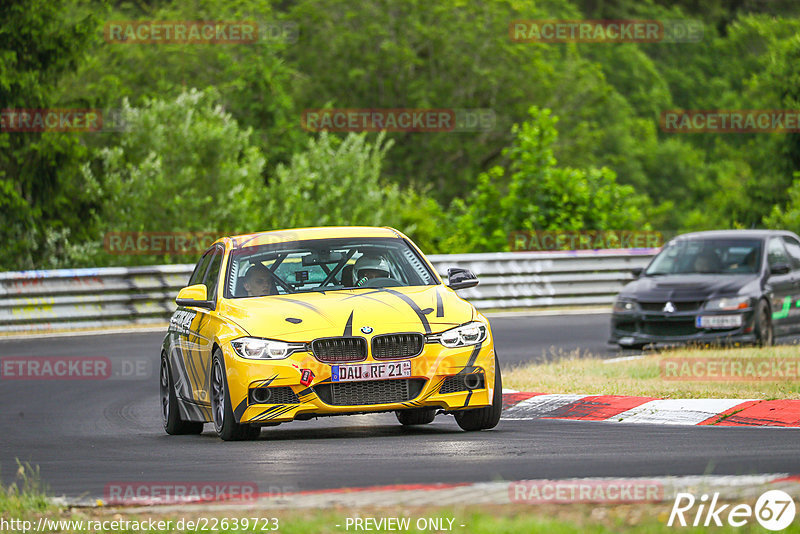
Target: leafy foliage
(215, 142)
(338, 182)
(41, 192)
(542, 195)
(180, 165)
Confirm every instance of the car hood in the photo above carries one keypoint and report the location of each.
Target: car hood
(686, 287)
(306, 316)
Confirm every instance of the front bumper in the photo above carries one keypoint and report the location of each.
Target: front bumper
(429, 375)
(642, 328)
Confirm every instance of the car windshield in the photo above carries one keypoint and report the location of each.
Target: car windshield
(325, 265)
(708, 256)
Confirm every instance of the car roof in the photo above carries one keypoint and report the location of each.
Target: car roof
(302, 234)
(727, 234)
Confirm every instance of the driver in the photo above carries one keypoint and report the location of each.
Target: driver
(706, 262)
(368, 268)
(258, 282)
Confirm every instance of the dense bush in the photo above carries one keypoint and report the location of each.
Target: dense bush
(215, 140)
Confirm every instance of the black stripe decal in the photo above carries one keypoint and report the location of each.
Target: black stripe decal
(210, 342)
(193, 367)
(472, 357)
(275, 411)
(413, 305)
(469, 396)
(305, 392)
(361, 295)
(348, 328)
(180, 363)
(265, 383)
(287, 409)
(439, 305)
(434, 390)
(239, 411)
(266, 412)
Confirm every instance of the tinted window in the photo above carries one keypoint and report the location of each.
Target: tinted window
(330, 265)
(212, 276)
(200, 269)
(776, 253)
(793, 248)
(708, 256)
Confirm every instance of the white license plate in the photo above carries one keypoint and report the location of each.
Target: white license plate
(719, 321)
(370, 371)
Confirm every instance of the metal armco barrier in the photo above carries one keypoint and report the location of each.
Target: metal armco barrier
(68, 299)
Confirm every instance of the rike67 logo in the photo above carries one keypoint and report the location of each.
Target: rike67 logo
(774, 510)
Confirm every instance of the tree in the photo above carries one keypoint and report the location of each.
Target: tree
(182, 164)
(541, 195)
(338, 182)
(41, 200)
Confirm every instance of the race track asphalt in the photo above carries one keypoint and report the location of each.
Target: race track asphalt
(84, 435)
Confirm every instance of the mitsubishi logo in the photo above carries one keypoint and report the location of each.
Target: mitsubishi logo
(669, 307)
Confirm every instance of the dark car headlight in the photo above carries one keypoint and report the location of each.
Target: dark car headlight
(625, 305)
(728, 303)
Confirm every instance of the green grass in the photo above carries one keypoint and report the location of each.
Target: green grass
(26, 499)
(550, 519)
(25, 495)
(585, 374)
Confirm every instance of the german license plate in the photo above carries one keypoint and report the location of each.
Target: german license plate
(718, 321)
(370, 371)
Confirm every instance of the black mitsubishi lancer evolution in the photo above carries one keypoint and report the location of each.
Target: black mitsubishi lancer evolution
(721, 286)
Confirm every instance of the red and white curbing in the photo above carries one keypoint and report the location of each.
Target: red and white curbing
(623, 409)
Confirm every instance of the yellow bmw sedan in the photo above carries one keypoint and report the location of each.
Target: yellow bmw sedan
(312, 322)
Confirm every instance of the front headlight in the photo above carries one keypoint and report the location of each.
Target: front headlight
(464, 335)
(625, 305)
(728, 303)
(254, 348)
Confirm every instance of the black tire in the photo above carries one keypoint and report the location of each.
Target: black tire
(225, 424)
(417, 416)
(484, 418)
(170, 413)
(765, 333)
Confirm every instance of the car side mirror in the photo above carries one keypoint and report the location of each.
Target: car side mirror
(195, 296)
(780, 268)
(458, 278)
(637, 271)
